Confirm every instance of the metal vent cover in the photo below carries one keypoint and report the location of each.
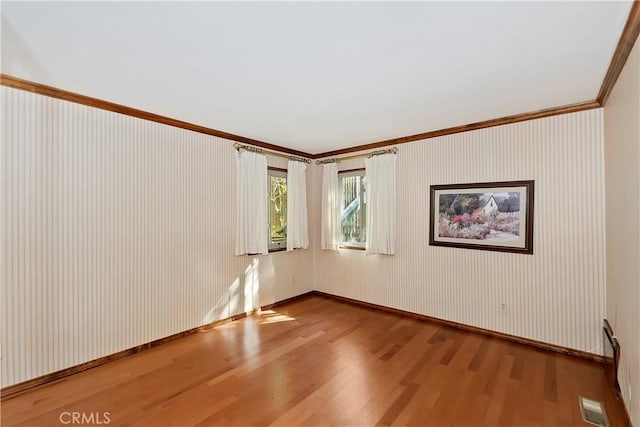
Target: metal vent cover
(593, 412)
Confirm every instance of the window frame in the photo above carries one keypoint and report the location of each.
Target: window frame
(349, 172)
(281, 173)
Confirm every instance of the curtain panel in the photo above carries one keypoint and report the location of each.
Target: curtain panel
(381, 204)
(330, 216)
(297, 221)
(252, 224)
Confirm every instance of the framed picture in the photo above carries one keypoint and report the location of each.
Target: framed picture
(492, 216)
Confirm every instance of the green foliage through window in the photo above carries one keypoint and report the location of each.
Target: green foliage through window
(353, 215)
(277, 209)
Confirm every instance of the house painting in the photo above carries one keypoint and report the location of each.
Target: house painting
(491, 206)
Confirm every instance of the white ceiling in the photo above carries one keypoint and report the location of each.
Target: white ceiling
(318, 76)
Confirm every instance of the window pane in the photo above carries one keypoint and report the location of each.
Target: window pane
(353, 211)
(277, 210)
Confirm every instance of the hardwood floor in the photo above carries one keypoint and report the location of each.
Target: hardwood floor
(321, 362)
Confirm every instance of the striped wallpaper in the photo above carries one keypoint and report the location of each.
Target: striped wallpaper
(117, 231)
(556, 295)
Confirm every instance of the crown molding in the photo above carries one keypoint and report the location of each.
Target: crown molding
(625, 44)
(623, 49)
(29, 86)
(588, 105)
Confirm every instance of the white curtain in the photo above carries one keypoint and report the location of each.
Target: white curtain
(330, 227)
(297, 222)
(252, 225)
(381, 204)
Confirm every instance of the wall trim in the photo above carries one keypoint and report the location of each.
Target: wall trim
(548, 112)
(623, 49)
(513, 338)
(625, 44)
(286, 301)
(20, 388)
(507, 337)
(23, 387)
(40, 89)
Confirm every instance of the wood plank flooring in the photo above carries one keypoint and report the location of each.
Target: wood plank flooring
(321, 362)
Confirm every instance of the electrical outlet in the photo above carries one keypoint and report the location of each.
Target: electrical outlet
(503, 307)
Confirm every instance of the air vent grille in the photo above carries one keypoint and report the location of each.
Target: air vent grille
(593, 412)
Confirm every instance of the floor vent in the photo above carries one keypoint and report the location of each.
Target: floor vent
(593, 412)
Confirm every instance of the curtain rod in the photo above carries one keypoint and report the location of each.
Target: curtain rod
(393, 150)
(271, 153)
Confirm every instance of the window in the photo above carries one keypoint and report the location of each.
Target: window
(353, 209)
(277, 181)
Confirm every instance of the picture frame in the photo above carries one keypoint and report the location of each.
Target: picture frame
(491, 216)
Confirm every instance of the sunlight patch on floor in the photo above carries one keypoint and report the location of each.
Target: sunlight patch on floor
(270, 316)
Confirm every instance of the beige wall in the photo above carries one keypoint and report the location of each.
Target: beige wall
(114, 224)
(622, 166)
(556, 295)
(115, 232)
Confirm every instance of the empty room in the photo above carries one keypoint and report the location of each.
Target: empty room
(320, 213)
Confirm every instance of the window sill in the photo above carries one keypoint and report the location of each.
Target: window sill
(277, 250)
(355, 248)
